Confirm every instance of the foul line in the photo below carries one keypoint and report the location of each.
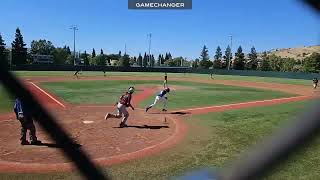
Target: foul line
(245, 103)
(48, 95)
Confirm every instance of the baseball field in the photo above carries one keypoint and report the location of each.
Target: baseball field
(209, 122)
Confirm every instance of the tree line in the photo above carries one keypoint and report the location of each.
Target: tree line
(255, 61)
(220, 60)
(63, 55)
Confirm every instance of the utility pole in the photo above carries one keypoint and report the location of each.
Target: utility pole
(230, 52)
(125, 49)
(149, 56)
(74, 28)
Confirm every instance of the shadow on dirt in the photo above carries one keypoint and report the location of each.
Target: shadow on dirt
(180, 113)
(145, 127)
(53, 145)
(175, 113)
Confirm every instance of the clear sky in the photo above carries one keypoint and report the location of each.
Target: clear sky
(108, 24)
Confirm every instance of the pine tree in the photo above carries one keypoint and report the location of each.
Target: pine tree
(227, 57)
(253, 59)
(162, 59)
(145, 60)
(3, 54)
(166, 57)
(68, 50)
(159, 60)
(169, 56)
(119, 54)
(19, 52)
(152, 61)
(217, 64)
(140, 60)
(93, 53)
(204, 58)
(239, 61)
(101, 52)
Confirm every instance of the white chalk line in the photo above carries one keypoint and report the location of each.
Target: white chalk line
(245, 103)
(48, 95)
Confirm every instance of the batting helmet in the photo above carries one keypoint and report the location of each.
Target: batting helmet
(131, 90)
(168, 89)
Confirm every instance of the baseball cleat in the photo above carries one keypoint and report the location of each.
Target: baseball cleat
(164, 110)
(147, 109)
(25, 142)
(107, 116)
(122, 125)
(37, 142)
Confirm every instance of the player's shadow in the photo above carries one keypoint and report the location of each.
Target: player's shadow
(175, 113)
(180, 113)
(54, 145)
(145, 127)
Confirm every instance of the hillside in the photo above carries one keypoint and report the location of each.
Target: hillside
(296, 53)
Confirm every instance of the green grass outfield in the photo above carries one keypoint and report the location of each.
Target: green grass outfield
(213, 140)
(6, 101)
(151, 74)
(108, 92)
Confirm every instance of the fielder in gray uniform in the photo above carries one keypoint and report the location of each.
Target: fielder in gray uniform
(160, 97)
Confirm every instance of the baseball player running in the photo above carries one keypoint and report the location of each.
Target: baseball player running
(315, 82)
(160, 97)
(124, 102)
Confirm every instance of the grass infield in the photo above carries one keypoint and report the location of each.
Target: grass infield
(191, 95)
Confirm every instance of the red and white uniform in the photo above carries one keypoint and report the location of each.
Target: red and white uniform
(124, 102)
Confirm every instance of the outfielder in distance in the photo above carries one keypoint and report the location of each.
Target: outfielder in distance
(315, 83)
(165, 82)
(162, 96)
(124, 102)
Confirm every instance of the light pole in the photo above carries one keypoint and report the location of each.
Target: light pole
(230, 52)
(149, 56)
(74, 28)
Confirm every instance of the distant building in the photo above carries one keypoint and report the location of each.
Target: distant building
(114, 62)
(42, 59)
